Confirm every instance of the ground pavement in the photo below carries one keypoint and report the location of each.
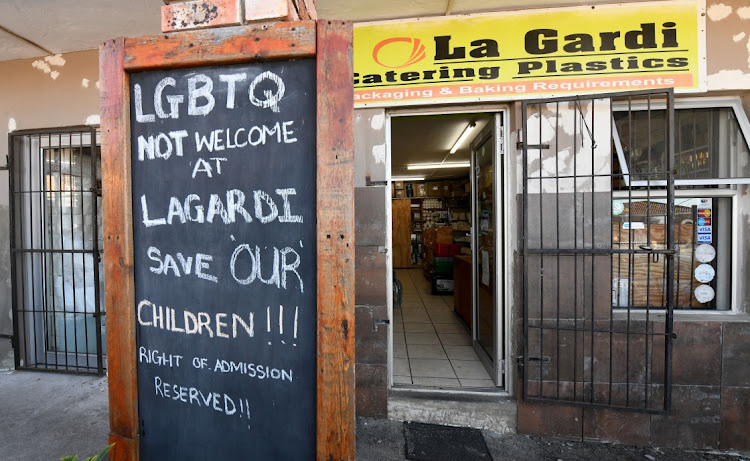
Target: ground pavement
(44, 416)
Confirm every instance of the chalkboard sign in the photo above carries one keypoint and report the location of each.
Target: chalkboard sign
(224, 227)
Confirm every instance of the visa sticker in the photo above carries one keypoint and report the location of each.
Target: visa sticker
(704, 229)
(704, 238)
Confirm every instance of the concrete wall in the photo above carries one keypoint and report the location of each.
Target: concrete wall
(710, 396)
(39, 93)
(372, 287)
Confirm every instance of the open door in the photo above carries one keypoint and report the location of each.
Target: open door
(488, 256)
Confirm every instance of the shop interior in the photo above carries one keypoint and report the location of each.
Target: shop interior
(431, 209)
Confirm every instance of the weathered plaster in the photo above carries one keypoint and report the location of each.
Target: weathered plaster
(369, 147)
(6, 320)
(32, 99)
(44, 65)
(727, 45)
(718, 11)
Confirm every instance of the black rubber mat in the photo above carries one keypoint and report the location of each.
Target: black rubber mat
(430, 442)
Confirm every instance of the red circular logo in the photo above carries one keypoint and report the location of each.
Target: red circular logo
(417, 51)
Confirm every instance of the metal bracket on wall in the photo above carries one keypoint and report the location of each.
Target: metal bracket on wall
(519, 145)
(377, 322)
(12, 340)
(519, 359)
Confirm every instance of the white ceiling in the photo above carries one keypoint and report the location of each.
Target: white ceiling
(428, 139)
(60, 26)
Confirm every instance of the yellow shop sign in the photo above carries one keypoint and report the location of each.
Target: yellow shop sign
(530, 53)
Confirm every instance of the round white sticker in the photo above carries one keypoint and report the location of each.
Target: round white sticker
(617, 208)
(704, 273)
(705, 253)
(704, 293)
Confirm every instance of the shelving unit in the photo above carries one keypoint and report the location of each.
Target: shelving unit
(459, 213)
(422, 213)
(407, 232)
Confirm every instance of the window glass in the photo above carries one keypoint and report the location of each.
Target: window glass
(702, 234)
(709, 145)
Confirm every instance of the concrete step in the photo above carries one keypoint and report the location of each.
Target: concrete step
(491, 411)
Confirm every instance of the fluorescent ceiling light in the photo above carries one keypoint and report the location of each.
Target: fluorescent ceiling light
(432, 166)
(407, 178)
(467, 131)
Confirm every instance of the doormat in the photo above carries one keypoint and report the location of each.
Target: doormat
(431, 442)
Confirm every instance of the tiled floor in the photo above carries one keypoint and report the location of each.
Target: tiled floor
(431, 346)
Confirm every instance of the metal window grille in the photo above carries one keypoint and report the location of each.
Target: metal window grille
(55, 190)
(598, 292)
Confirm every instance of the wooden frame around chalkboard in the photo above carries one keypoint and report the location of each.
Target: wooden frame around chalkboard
(330, 42)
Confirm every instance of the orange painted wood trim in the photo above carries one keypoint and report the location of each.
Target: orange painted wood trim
(119, 286)
(225, 45)
(124, 449)
(335, 194)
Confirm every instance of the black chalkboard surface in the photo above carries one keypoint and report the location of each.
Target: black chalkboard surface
(224, 210)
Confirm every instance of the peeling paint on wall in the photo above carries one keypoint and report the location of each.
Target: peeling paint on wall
(728, 45)
(550, 126)
(729, 79)
(41, 65)
(44, 65)
(56, 60)
(93, 119)
(377, 122)
(379, 153)
(12, 125)
(85, 83)
(719, 11)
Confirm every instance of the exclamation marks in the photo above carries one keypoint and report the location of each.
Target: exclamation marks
(295, 331)
(245, 409)
(296, 317)
(268, 321)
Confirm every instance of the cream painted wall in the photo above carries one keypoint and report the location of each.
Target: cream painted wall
(39, 93)
(728, 44)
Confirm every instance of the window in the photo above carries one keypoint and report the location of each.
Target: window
(711, 147)
(712, 166)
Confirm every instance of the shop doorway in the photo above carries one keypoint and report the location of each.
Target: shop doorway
(447, 251)
(56, 242)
